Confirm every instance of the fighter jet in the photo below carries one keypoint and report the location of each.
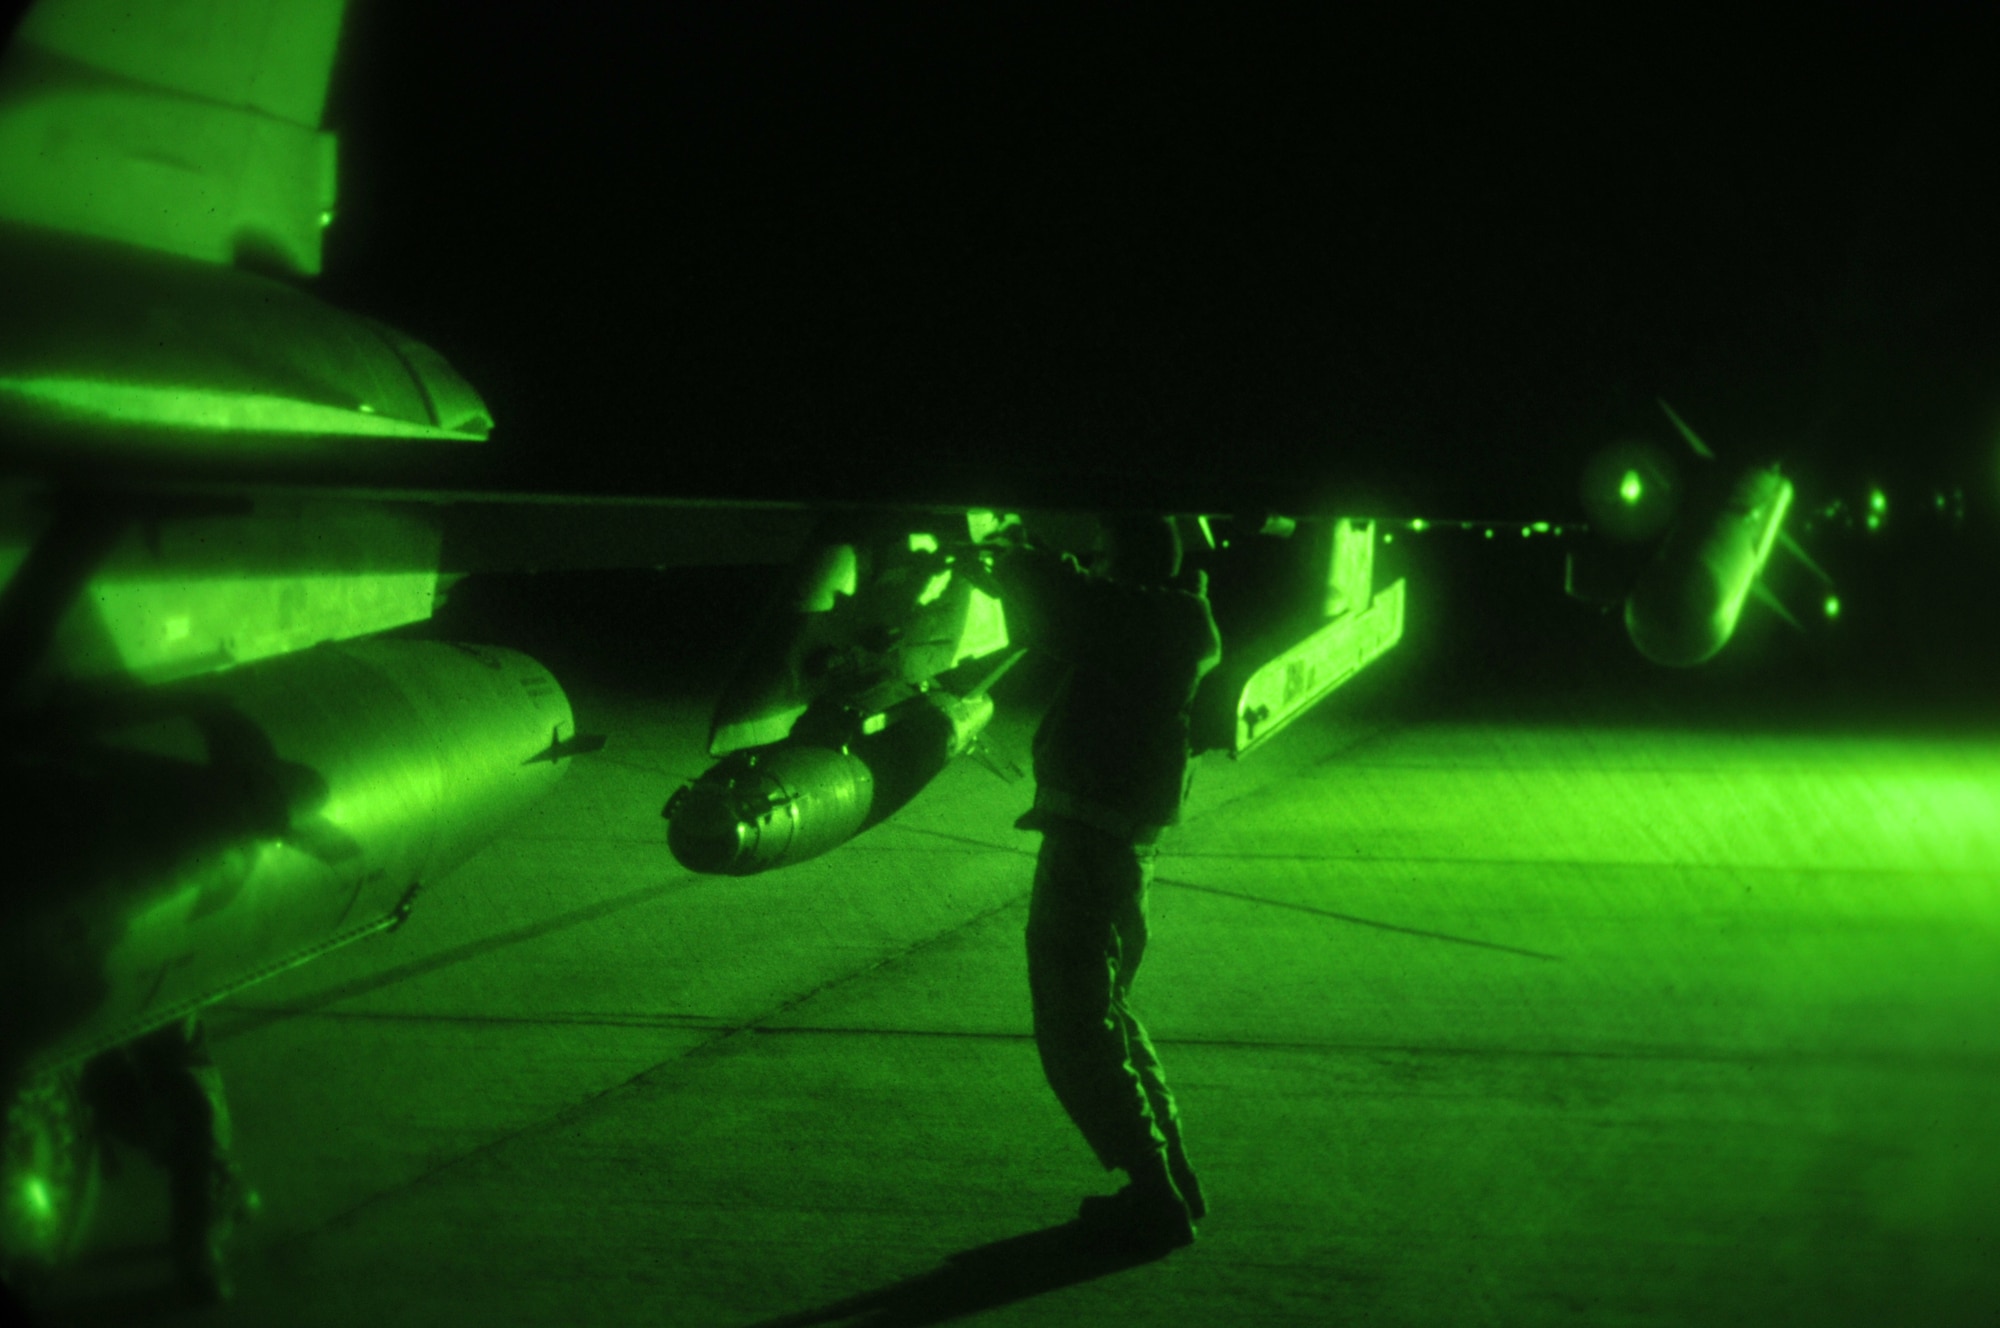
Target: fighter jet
(218, 492)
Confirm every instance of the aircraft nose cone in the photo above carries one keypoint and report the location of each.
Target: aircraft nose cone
(704, 833)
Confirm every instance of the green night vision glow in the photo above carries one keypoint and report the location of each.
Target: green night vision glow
(1832, 607)
(934, 588)
(1631, 489)
(1420, 524)
(1878, 502)
(921, 542)
(36, 1198)
(209, 411)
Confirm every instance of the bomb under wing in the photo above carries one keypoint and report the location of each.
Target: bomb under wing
(773, 806)
(852, 699)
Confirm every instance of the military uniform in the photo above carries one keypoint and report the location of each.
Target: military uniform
(163, 1094)
(1111, 769)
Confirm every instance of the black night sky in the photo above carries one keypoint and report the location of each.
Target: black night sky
(1379, 260)
(1407, 259)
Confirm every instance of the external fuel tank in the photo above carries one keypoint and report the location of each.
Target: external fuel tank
(209, 834)
(1686, 602)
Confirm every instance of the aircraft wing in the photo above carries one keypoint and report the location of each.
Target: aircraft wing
(216, 487)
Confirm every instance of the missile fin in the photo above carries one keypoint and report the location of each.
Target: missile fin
(1792, 546)
(560, 748)
(1701, 449)
(988, 753)
(1770, 601)
(994, 675)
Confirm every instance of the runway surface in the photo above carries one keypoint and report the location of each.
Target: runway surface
(1492, 1018)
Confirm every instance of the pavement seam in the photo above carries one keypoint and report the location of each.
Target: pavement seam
(280, 1250)
(1958, 1064)
(1419, 932)
(446, 958)
(1278, 903)
(1587, 864)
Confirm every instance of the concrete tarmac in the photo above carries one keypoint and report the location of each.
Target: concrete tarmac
(1489, 1019)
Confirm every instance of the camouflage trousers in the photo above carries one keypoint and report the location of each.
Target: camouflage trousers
(1086, 937)
(163, 1095)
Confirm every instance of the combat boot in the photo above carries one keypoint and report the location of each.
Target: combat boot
(207, 1207)
(1148, 1217)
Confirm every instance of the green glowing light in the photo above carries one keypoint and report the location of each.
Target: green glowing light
(1832, 607)
(1420, 524)
(935, 587)
(36, 1197)
(1388, 537)
(1541, 527)
(1489, 532)
(1631, 489)
(1878, 502)
(1874, 521)
(209, 410)
(921, 542)
(1527, 531)
(985, 627)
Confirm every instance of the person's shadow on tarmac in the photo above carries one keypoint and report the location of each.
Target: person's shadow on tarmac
(976, 1280)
